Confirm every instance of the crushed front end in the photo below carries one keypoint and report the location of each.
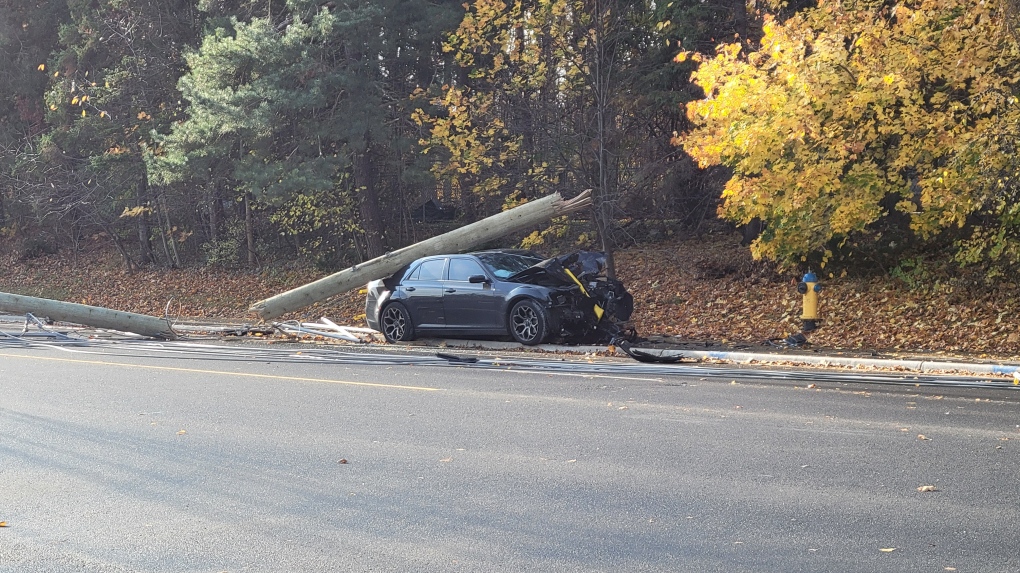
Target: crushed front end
(588, 307)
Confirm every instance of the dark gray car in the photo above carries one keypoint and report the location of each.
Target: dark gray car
(500, 293)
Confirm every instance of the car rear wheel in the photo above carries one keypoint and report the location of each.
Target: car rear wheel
(396, 323)
(528, 322)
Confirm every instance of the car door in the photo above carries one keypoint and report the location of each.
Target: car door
(467, 305)
(422, 293)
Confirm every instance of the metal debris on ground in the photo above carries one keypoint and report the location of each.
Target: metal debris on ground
(796, 340)
(644, 356)
(249, 331)
(326, 328)
(457, 359)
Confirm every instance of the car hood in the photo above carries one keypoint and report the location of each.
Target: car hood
(585, 265)
(589, 270)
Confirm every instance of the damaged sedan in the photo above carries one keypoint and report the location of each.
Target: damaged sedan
(512, 293)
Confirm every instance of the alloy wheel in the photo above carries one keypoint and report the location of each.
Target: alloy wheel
(394, 323)
(525, 322)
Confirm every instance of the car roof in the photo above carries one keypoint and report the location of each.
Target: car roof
(521, 252)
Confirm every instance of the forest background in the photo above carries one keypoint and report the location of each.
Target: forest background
(219, 141)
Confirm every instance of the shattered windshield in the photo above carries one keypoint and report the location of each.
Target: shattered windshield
(503, 265)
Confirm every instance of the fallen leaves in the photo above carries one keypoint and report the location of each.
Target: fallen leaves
(927, 488)
(709, 289)
(744, 302)
(99, 279)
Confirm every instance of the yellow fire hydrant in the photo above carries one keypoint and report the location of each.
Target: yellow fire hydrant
(809, 288)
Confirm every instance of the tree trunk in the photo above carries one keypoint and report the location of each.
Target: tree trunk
(128, 261)
(144, 230)
(249, 231)
(216, 214)
(368, 203)
(740, 19)
(602, 68)
(468, 200)
(604, 230)
(519, 218)
(169, 245)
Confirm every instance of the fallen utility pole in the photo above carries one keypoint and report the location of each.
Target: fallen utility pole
(517, 219)
(94, 316)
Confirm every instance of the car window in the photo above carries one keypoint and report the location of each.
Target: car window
(504, 265)
(431, 270)
(462, 269)
(413, 275)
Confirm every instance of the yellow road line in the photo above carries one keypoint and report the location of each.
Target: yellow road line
(222, 372)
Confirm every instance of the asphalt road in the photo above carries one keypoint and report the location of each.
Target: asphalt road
(191, 463)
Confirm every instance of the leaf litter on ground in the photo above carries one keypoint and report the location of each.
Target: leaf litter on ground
(708, 290)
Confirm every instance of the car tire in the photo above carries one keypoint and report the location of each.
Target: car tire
(528, 323)
(395, 323)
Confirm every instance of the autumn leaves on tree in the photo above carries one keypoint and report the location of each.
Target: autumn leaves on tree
(234, 131)
(852, 111)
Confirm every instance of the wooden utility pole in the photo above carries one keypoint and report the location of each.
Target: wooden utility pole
(517, 219)
(94, 316)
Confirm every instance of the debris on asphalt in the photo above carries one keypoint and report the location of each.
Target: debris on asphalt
(250, 331)
(326, 328)
(458, 359)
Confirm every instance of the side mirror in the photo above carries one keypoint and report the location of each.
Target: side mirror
(476, 279)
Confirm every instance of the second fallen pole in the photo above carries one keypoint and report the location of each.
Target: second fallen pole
(94, 316)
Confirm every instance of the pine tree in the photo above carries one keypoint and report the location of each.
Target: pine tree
(296, 112)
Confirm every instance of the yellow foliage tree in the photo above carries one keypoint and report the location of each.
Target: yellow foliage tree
(518, 117)
(853, 105)
(502, 49)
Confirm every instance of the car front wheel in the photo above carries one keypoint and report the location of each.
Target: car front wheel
(396, 323)
(528, 322)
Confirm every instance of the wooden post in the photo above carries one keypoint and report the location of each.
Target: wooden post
(517, 219)
(94, 316)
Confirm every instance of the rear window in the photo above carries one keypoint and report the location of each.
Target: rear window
(431, 270)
